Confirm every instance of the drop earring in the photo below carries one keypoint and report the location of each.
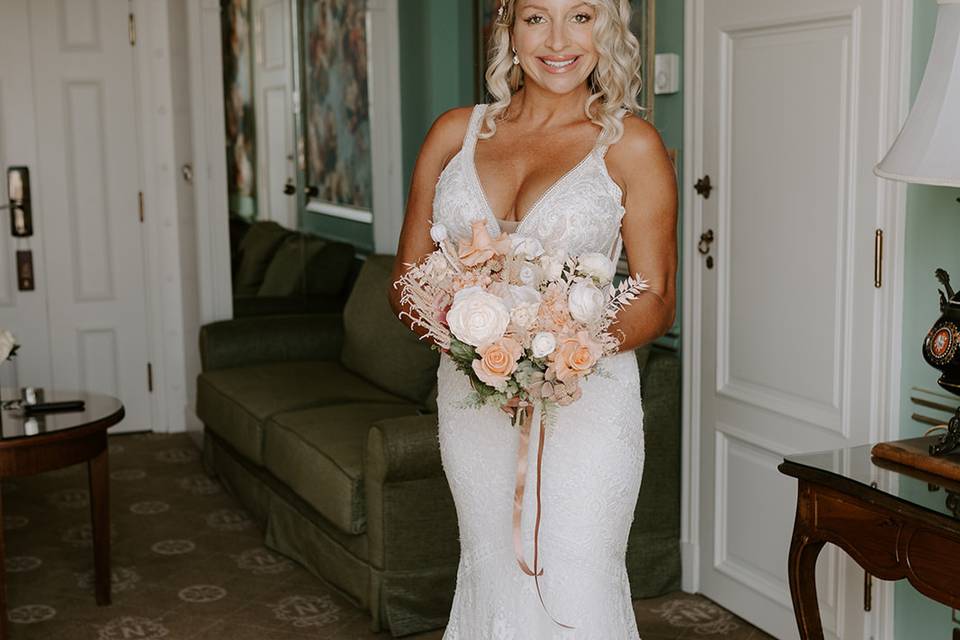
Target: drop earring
(516, 58)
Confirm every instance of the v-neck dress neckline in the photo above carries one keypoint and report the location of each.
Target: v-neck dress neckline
(471, 159)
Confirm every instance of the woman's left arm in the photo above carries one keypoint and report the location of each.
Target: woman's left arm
(649, 230)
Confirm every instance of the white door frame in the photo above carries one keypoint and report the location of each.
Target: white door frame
(891, 217)
(165, 283)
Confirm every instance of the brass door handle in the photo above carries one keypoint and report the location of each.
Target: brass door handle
(312, 191)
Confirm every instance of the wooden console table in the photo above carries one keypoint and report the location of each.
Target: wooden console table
(910, 530)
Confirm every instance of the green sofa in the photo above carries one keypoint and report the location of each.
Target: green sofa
(325, 428)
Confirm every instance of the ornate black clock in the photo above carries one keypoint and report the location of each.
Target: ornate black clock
(941, 350)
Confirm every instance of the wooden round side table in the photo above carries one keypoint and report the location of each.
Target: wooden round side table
(36, 443)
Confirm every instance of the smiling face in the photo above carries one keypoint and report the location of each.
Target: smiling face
(554, 40)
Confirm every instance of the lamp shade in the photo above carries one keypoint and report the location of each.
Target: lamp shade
(927, 151)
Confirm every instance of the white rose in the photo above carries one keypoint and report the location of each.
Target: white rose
(585, 301)
(543, 344)
(7, 343)
(514, 295)
(477, 317)
(526, 246)
(596, 265)
(438, 233)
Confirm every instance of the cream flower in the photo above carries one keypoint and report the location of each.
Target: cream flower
(543, 344)
(526, 246)
(596, 265)
(585, 301)
(477, 317)
(438, 233)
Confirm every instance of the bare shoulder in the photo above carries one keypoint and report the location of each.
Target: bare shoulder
(639, 155)
(641, 142)
(447, 132)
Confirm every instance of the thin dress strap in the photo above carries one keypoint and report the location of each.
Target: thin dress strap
(473, 130)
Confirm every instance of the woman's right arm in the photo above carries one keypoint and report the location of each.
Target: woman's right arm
(440, 145)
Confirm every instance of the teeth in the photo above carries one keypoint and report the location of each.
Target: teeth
(558, 65)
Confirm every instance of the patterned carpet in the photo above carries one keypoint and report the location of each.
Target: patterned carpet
(188, 563)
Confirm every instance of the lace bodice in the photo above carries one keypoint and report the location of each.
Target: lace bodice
(579, 213)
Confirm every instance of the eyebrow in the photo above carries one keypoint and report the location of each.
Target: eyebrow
(536, 6)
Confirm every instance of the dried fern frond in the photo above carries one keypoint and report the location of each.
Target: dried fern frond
(426, 297)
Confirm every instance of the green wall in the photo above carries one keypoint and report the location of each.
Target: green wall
(932, 234)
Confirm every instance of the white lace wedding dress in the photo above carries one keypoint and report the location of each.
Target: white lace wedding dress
(593, 454)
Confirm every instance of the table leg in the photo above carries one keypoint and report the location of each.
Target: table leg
(803, 585)
(100, 516)
(3, 575)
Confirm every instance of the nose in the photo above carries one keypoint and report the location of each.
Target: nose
(557, 39)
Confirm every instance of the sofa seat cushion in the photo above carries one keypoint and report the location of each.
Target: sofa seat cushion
(318, 453)
(234, 403)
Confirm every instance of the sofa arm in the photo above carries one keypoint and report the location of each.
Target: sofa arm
(403, 449)
(246, 341)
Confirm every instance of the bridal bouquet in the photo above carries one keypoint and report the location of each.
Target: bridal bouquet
(526, 326)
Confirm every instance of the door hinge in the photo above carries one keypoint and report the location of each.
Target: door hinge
(132, 29)
(867, 591)
(878, 259)
(140, 204)
(150, 377)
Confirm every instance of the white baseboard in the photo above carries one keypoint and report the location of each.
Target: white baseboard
(690, 561)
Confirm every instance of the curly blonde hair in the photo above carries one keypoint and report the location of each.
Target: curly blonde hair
(614, 83)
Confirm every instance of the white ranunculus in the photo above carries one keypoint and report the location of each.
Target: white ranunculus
(515, 295)
(477, 317)
(543, 344)
(7, 343)
(585, 301)
(526, 246)
(438, 233)
(596, 265)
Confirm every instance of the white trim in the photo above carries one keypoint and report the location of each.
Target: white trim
(161, 223)
(891, 216)
(338, 211)
(210, 161)
(386, 144)
(690, 423)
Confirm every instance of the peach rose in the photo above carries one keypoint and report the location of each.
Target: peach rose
(498, 361)
(481, 247)
(575, 356)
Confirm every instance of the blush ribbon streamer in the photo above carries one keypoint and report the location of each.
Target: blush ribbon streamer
(525, 413)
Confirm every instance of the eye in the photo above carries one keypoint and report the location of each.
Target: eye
(582, 18)
(534, 19)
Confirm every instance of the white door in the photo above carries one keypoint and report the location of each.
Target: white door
(76, 129)
(789, 123)
(273, 90)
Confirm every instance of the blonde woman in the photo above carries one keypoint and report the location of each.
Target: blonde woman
(563, 154)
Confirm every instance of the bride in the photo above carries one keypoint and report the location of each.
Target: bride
(560, 155)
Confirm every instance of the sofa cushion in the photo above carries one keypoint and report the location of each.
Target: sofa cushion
(377, 345)
(254, 255)
(235, 403)
(318, 453)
